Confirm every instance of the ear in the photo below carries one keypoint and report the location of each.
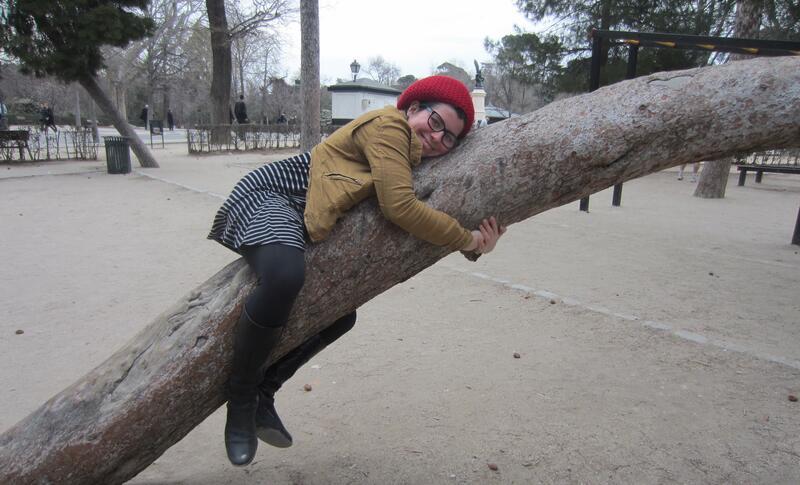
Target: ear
(413, 107)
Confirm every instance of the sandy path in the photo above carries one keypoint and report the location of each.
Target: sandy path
(647, 369)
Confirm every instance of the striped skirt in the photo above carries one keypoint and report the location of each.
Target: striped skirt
(266, 207)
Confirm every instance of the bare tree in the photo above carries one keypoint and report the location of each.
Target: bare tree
(157, 59)
(124, 414)
(260, 13)
(382, 70)
(309, 73)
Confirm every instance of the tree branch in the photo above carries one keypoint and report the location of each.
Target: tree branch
(121, 416)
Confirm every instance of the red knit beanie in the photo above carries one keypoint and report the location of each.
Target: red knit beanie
(441, 89)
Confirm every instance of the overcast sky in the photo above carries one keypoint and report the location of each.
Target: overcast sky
(415, 35)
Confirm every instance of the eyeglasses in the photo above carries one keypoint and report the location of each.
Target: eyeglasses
(436, 123)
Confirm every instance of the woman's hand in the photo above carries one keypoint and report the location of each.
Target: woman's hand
(491, 232)
(485, 237)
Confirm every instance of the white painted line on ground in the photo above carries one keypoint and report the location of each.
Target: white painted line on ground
(667, 329)
(178, 184)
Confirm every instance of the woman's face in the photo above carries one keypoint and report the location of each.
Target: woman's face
(432, 141)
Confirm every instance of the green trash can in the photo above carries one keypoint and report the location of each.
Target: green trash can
(118, 157)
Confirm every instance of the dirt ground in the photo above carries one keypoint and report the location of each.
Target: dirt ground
(658, 342)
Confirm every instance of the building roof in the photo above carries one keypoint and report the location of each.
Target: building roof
(495, 112)
(364, 85)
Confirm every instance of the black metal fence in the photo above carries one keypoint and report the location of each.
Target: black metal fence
(246, 137)
(27, 143)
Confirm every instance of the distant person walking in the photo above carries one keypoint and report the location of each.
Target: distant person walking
(695, 169)
(47, 118)
(281, 119)
(3, 114)
(240, 111)
(145, 116)
(170, 120)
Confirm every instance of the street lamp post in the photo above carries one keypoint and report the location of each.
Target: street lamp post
(354, 68)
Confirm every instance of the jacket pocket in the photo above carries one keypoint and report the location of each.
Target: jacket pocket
(343, 178)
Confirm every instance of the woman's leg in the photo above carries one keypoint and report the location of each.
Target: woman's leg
(269, 427)
(281, 272)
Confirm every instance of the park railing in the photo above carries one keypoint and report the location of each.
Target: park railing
(31, 143)
(786, 158)
(245, 137)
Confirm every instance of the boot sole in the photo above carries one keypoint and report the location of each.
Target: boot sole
(273, 437)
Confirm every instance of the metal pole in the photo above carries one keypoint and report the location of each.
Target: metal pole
(594, 83)
(796, 237)
(633, 57)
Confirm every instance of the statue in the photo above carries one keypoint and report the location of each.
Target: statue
(478, 76)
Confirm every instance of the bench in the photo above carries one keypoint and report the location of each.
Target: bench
(760, 168)
(15, 139)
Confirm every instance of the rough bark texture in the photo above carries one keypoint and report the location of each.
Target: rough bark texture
(714, 177)
(309, 73)
(91, 85)
(121, 416)
(221, 70)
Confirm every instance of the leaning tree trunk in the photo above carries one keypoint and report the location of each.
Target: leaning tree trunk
(121, 416)
(221, 71)
(714, 177)
(91, 86)
(309, 73)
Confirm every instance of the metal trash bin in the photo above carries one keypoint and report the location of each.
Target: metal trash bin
(118, 156)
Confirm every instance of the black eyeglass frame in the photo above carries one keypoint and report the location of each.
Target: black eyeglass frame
(444, 127)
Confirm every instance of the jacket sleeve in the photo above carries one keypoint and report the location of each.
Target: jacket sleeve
(385, 143)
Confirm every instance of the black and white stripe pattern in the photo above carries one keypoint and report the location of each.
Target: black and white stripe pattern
(266, 207)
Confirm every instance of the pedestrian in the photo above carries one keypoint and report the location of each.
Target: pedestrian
(275, 210)
(170, 120)
(3, 113)
(240, 111)
(695, 170)
(47, 118)
(144, 116)
(281, 119)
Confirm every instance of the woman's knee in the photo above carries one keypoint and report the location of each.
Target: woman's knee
(280, 269)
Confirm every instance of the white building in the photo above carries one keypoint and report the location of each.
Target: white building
(351, 99)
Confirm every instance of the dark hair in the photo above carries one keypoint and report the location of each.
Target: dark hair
(241, 96)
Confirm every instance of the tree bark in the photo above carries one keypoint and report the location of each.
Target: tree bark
(221, 70)
(714, 177)
(125, 413)
(309, 73)
(92, 87)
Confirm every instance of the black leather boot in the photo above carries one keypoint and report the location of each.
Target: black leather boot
(251, 348)
(269, 427)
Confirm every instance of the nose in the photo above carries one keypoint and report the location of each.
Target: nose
(438, 135)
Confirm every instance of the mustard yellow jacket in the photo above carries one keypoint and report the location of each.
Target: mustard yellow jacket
(374, 155)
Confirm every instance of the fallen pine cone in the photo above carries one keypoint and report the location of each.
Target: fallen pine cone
(19, 332)
(516, 355)
(492, 467)
(792, 398)
(307, 387)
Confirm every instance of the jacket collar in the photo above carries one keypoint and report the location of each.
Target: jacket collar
(415, 150)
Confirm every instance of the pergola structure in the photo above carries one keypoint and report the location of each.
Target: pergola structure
(634, 40)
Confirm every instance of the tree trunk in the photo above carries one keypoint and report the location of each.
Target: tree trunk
(121, 416)
(221, 70)
(92, 87)
(714, 177)
(77, 108)
(309, 73)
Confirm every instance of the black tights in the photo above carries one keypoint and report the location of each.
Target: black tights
(281, 273)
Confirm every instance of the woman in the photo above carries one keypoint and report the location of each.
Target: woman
(274, 209)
